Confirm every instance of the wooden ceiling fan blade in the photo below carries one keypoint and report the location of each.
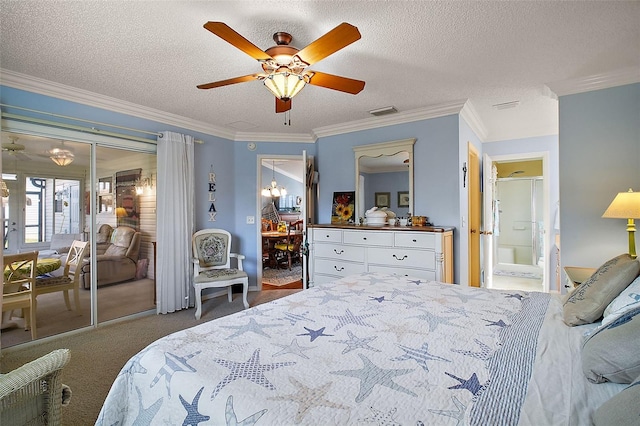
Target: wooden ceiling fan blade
(336, 82)
(228, 81)
(229, 35)
(339, 37)
(282, 106)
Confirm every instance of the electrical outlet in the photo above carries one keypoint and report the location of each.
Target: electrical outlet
(251, 220)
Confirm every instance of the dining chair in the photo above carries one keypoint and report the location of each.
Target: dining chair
(212, 265)
(289, 248)
(18, 284)
(70, 278)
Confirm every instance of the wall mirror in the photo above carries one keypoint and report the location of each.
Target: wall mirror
(384, 167)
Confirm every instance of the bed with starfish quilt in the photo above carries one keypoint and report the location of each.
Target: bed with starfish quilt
(370, 348)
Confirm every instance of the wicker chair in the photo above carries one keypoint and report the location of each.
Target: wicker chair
(33, 393)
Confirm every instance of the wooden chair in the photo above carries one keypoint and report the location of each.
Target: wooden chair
(18, 284)
(268, 225)
(212, 265)
(70, 278)
(290, 247)
(33, 393)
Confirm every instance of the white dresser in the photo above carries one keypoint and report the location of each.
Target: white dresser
(338, 251)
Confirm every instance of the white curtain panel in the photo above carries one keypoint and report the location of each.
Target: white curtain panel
(176, 222)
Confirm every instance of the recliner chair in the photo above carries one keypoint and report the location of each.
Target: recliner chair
(116, 261)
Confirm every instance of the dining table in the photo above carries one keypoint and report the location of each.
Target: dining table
(269, 240)
(44, 265)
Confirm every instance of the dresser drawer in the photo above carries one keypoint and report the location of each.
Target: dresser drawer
(328, 235)
(405, 272)
(420, 240)
(402, 258)
(368, 238)
(336, 267)
(339, 252)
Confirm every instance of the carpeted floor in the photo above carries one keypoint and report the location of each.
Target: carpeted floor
(98, 355)
(280, 277)
(114, 301)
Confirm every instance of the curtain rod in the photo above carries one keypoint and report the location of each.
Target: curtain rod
(81, 128)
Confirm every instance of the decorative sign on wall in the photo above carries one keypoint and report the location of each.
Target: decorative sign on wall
(212, 195)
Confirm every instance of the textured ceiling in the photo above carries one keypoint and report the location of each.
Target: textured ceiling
(412, 55)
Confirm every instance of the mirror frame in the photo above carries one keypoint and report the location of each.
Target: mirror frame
(378, 150)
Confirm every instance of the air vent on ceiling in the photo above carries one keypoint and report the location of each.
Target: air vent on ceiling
(507, 105)
(383, 111)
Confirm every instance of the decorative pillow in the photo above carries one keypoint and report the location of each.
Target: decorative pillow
(621, 410)
(627, 300)
(587, 302)
(612, 353)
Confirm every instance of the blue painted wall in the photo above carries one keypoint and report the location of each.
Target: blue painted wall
(436, 177)
(390, 182)
(599, 157)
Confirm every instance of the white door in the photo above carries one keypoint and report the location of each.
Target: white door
(488, 209)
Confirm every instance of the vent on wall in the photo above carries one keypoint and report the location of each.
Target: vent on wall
(383, 111)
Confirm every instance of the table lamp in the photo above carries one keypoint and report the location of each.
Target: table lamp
(626, 205)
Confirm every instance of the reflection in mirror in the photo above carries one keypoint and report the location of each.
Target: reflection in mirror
(385, 168)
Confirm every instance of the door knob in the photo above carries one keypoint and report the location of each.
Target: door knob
(473, 231)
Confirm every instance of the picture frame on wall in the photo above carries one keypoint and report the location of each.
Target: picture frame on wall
(343, 207)
(383, 199)
(403, 198)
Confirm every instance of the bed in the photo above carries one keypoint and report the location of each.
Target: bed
(370, 348)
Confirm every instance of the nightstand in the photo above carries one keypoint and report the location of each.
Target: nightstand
(577, 275)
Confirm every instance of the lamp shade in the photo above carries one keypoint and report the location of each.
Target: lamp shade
(62, 158)
(626, 205)
(284, 84)
(121, 212)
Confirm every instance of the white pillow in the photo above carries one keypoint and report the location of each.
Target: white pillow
(628, 299)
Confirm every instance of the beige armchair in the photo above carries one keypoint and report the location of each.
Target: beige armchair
(116, 260)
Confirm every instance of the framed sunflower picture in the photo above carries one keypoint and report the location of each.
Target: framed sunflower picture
(343, 207)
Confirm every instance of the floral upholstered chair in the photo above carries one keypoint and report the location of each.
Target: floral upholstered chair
(212, 265)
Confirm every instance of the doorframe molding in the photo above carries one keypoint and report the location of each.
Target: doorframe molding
(546, 184)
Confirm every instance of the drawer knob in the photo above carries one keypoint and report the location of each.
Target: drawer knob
(414, 240)
(364, 238)
(338, 252)
(397, 258)
(338, 269)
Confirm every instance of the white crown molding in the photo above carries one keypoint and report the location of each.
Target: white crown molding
(85, 97)
(434, 111)
(472, 118)
(606, 80)
(274, 137)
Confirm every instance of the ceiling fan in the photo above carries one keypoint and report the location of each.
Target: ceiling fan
(285, 66)
(14, 148)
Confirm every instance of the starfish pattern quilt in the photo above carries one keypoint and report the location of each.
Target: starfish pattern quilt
(366, 349)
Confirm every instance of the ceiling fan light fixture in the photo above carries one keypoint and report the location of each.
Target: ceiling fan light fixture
(284, 84)
(62, 158)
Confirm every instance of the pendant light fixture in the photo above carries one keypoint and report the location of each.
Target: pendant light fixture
(273, 191)
(61, 155)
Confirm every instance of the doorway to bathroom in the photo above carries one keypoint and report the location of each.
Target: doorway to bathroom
(518, 241)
